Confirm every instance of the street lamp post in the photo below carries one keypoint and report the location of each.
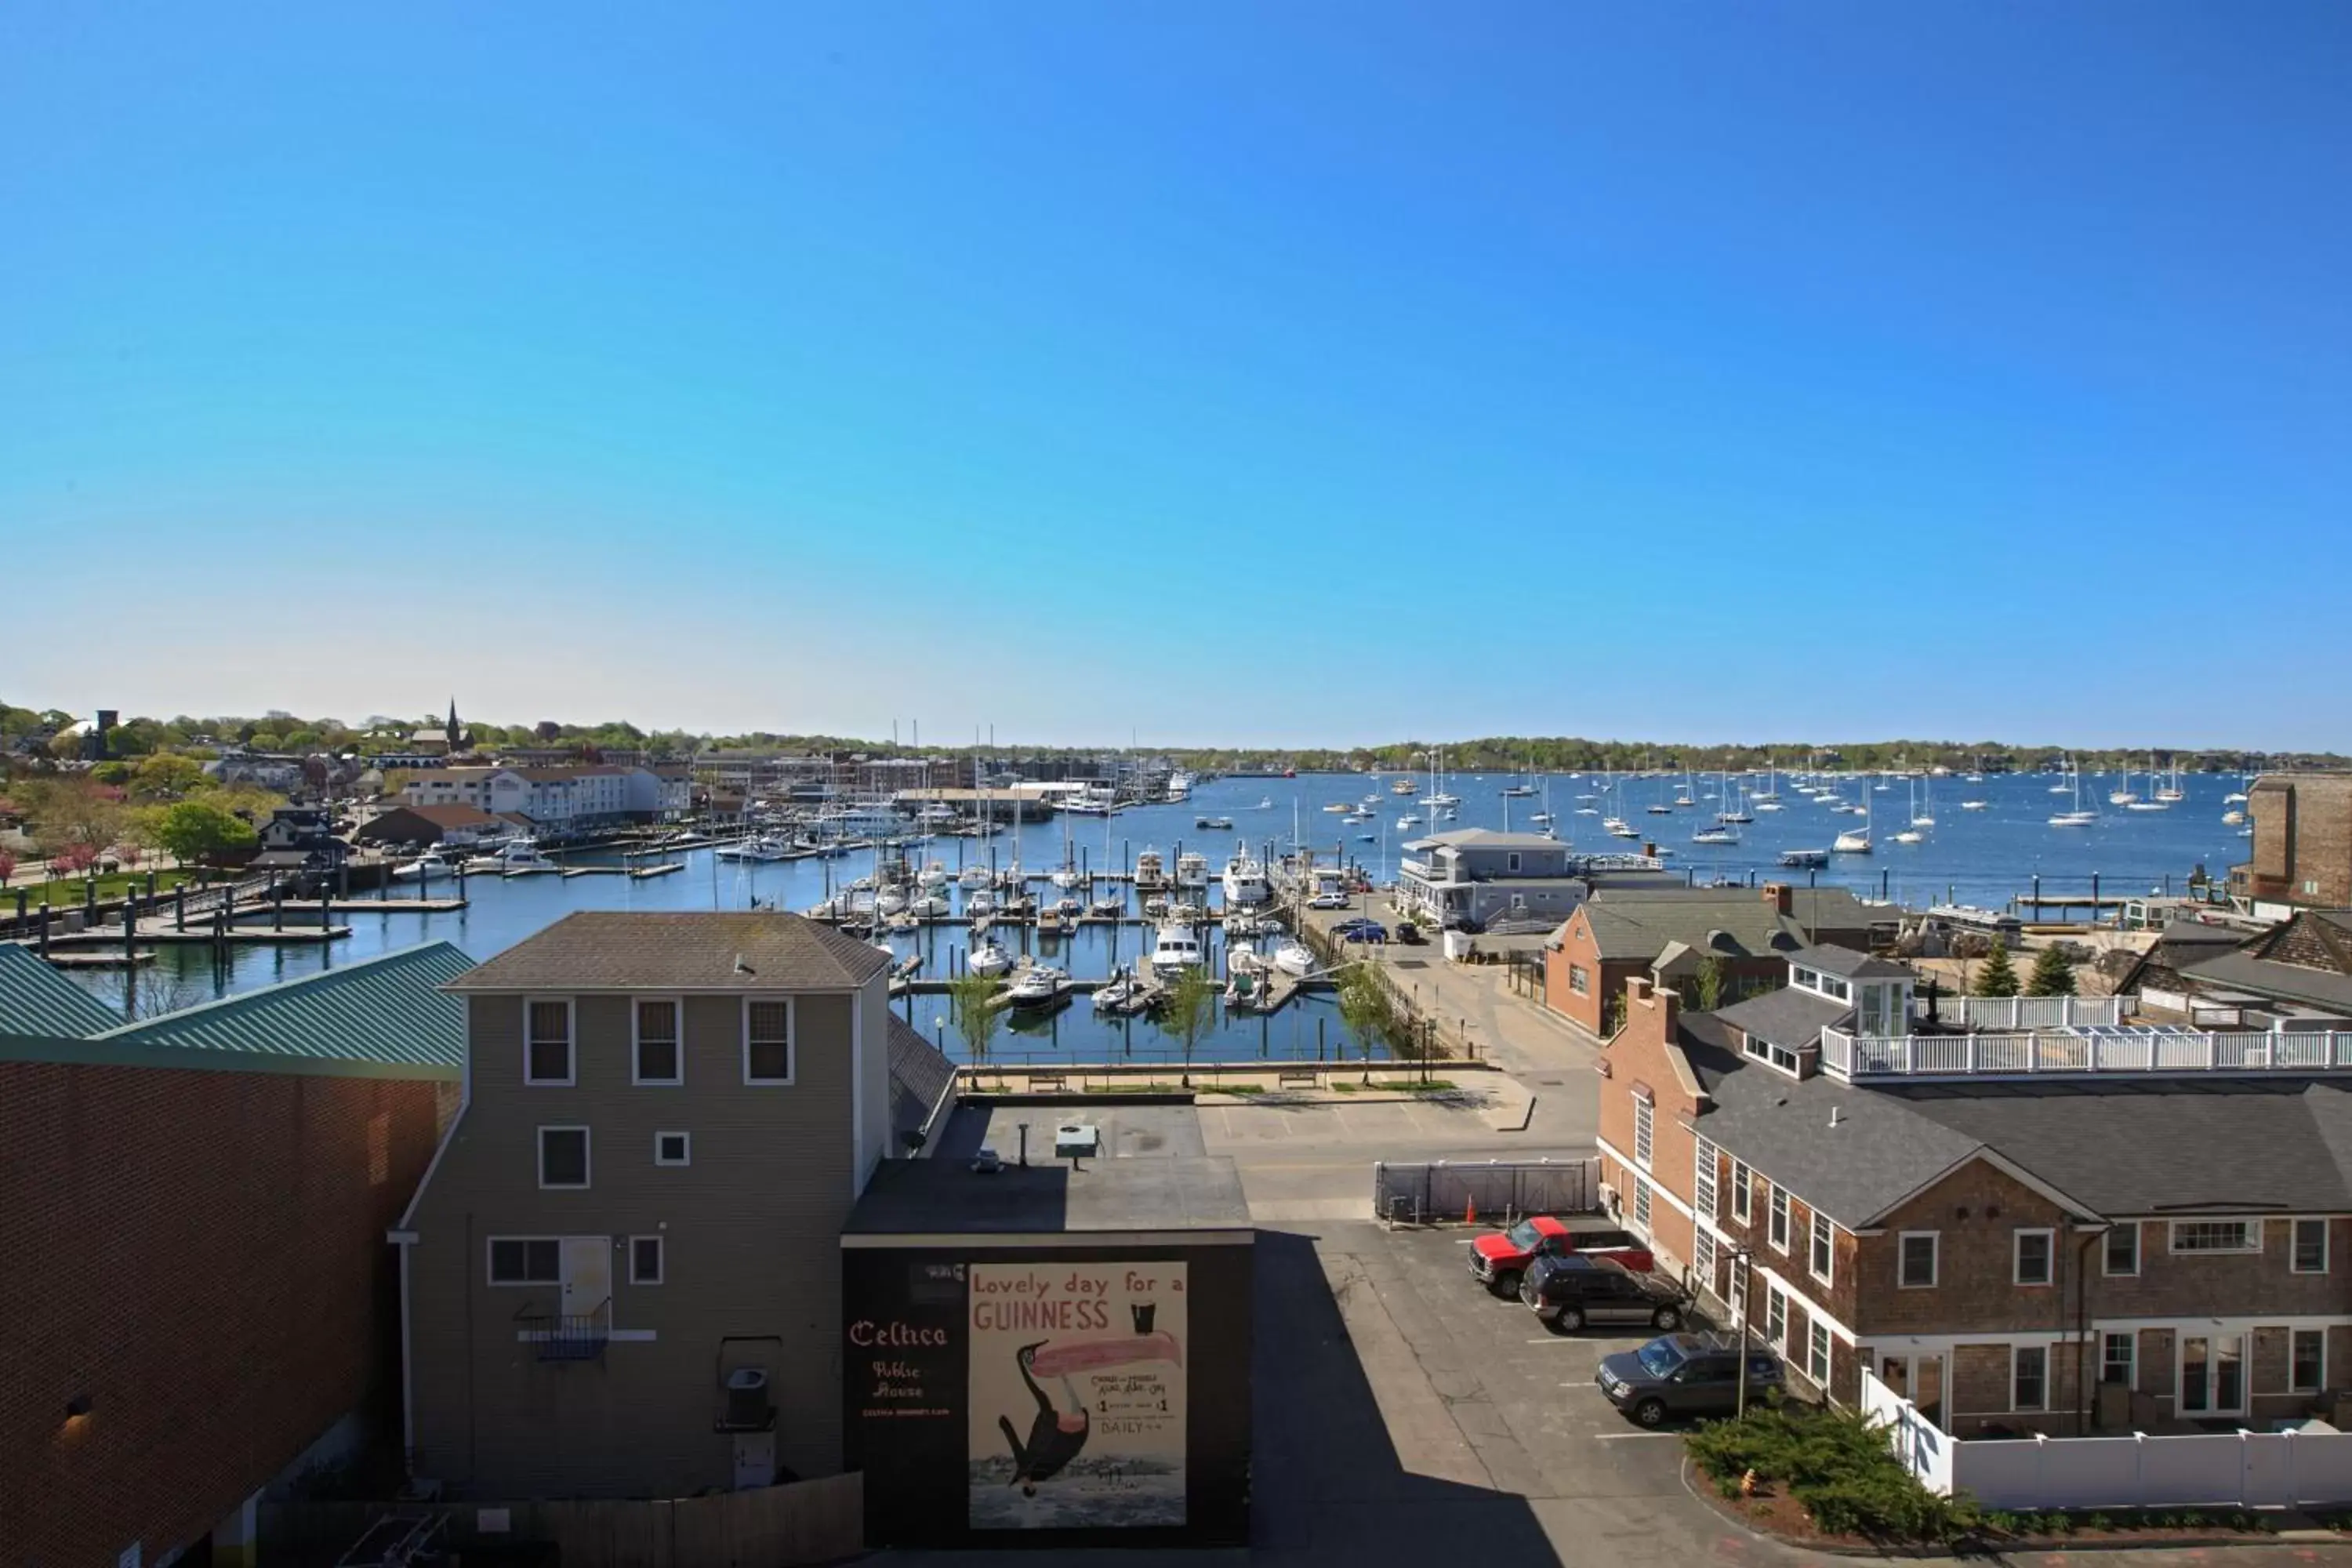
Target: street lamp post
(1743, 1272)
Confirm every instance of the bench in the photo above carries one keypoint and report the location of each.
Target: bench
(1039, 1081)
(1299, 1077)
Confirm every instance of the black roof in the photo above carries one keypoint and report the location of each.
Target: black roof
(1786, 1018)
(1848, 964)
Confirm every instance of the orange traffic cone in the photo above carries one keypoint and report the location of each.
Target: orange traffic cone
(1470, 1211)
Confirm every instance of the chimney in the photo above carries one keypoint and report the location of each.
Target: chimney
(1780, 896)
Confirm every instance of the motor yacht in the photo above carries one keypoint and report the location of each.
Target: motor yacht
(522, 859)
(1038, 985)
(988, 957)
(1408, 822)
(1244, 880)
(1294, 957)
(429, 864)
(1123, 993)
(1717, 835)
(1175, 946)
(1192, 870)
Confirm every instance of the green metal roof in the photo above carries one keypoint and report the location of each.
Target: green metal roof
(34, 999)
(389, 1010)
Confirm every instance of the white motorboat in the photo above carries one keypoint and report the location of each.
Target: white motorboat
(429, 864)
(1038, 985)
(1973, 805)
(1910, 835)
(934, 876)
(1719, 835)
(988, 957)
(2234, 797)
(1408, 822)
(1294, 957)
(2231, 818)
(522, 859)
(1801, 858)
(1066, 876)
(974, 876)
(1176, 946)
(1242, 926)
(1122, 993)
(1149, 871)
(980, 903)
(474, 864)
(1335, 806)
(1192, 870)
(928, 906)
(1110, 906)
(1244, 881)
(889, 901)
(1624, 830)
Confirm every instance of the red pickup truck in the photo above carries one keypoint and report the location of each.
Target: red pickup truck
(1499, 1257)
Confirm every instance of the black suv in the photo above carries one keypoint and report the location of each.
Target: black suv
(1684, 1375)
(1569, 1292)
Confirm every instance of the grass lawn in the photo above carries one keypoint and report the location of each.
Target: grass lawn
(68, 894)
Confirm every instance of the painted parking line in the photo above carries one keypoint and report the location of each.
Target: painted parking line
(1628, 1437)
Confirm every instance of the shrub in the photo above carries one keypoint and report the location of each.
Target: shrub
(1836, 1464)
(2098, 1522)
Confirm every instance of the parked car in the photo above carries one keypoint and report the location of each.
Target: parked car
(1360, 929)
(1329, 901)
(1569, 1293)
(1684, 1375)
(1409, 933)
(1500, 1257)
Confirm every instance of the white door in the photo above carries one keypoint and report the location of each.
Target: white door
(2212, 1374)
(587, 1273)
(755, 1459)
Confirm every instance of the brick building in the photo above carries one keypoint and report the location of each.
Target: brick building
(194, 1209)
(2303, 842)
(2054, 1233)
(1667, 933)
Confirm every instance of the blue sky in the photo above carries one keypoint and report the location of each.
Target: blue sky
(1312, 373)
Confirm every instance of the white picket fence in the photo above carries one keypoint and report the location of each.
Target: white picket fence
(2227, 1469)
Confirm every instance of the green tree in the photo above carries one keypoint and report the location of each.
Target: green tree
(111, 772)
(1712, 974)
(166, 775)
(1187, 1007)
(972, 998)
(2052, 976)
(194, 831)
(266, 740)
(1999, 976)
(1366, 1011)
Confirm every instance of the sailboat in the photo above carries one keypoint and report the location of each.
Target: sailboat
(1437, 796)
(1923, 810)
(1855, 840)
(2077, 817)
(2170, 790)
(1736, 812)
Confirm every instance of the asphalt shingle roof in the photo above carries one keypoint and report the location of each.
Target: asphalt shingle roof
(1788, 1017)
(394, 1009)
(1848, 964)
(615, 950)
(919, 1074)
(34, 999)
(2269, 977)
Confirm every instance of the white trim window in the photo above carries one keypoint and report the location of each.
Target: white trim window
(1776, 1316)
(1743, 1198)
(547, 1060)
(768, 1041)
(1702, 1258)
(2309, 1253)
(1778, 1230)
(673, 1147)
(2033, 1260)
(658, 1042)
(1642, 1203)
(563, 1157)
(2216, 1236)
(1918, 1256)
(526, 1260)
(1703, 1194)
(2121, 1253)
(647, 1261)
(2306, 1362)
(2029, 1377)
(1645, 1126)
(2119, 1359)
(1822, 1258)
(1817, 1353)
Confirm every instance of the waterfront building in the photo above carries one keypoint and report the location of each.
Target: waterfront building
(2301, 855)
(1667, 933)
(198, 1300)
(582, 798)
(631, 1236)
(2094, 1227)
(456, 826)
(1475, 878)
(2294, 977)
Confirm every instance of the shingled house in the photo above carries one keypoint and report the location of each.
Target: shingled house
(2055, 1232)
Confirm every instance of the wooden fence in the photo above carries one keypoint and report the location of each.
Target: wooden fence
(767, 1527)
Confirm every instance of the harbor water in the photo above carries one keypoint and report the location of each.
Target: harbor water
(1983, 857)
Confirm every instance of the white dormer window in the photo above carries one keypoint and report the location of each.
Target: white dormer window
(1805, 979)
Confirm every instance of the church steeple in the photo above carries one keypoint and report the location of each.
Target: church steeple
(453, 732)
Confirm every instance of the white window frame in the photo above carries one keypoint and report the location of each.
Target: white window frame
(1642, 1203)
(685, 1158)
(1935, 1259)
(2292, 1386)
(1645, 1130)
(1821, 1237)
(570, 1042)
(2251, 1227)
(2130, 1338)
(2295, 1247)
(1776, 1220)
(792, 1043)
(636, 1043)
(661, 1259)
(1511, 861)
(2017, 1257)
(1704, 1197)
(587, 1157)
(1817, 1344)
(2015, 1352)
(490, 1270)
(1702, 1257)
(2106, 1263)
(1776, 1307)
(1743, 1193)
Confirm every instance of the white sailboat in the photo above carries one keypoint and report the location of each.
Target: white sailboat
(2076, 817)
(1853, 840)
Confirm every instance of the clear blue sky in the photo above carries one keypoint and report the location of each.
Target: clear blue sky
(1257, 372)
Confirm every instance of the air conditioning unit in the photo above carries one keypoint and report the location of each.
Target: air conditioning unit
(1610, 1199)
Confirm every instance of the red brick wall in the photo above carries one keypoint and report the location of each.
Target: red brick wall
(202, 1254)
(1638, 1062)
(1577, 950)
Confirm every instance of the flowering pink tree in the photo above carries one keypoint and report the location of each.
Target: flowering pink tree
(73, 859)
(7, 866)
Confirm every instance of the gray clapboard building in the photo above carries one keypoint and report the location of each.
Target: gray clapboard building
(622, 1276)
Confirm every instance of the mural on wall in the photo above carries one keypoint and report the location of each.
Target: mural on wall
(1077, 1395)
